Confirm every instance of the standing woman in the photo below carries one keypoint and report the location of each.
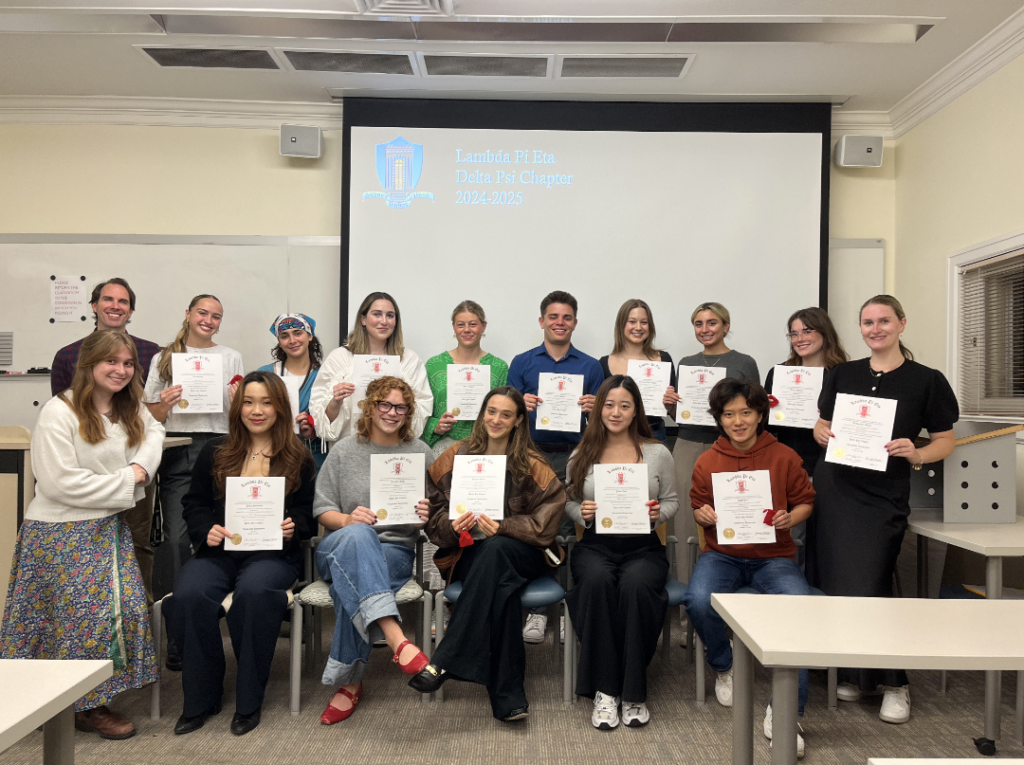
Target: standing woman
(619, 600)
(75, 590)
(299, 354)
(469, 322)
(634, 339)
(484, 642)
(711, 325)
(863, 513)
(366, 566)
(201, 324)
(260, 443)
(378, 332)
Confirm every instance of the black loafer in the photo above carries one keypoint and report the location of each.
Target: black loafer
(242, 724)
(429, 679)
(189, 724)
(173, 659)
(516, 714)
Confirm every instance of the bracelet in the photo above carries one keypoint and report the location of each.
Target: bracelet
(918, 466)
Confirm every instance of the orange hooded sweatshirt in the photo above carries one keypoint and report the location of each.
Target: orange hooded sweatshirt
(790, 487)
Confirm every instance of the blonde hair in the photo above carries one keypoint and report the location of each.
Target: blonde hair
(894, 304)
(717, 309)
(648, 348)
(468, 306)
(376, 392)
(180, 342)
(358, 340)
(125, 404)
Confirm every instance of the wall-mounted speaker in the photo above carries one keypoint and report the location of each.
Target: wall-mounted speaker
(301, 141)
(859, 151)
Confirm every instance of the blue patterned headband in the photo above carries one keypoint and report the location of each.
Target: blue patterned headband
(292, 321)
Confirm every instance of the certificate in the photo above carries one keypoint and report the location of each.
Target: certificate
(478, 486)
(294, 385)
(253, 511)
(861, 427)
(366, 369)
(743, 504)
(652, 378)
(621, 494)
(467, 386)
(560, 409)
(797, 389)
(397, 484)
(695, 383)
(201, 377)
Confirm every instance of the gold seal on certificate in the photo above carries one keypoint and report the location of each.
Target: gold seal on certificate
(686, 415)
(382, 515)
(456, 412)
(606, 522)
(780, 416)
(183, 404)
(361, 402)
(545, 420)
(460, 509)
(839, 453)
(236, 539)
(729, 533)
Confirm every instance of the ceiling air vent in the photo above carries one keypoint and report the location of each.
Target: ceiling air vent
(352, 63)
(624, 66)
(409, 7)
(485, 66)
(212, 58)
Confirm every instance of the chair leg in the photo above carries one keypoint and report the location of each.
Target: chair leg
(833, 687)
(567, 658)
(439, 630)
(698, 649)
(427, 644)
(157, 628)
(295, 644)
(689, 640)
(307, 635)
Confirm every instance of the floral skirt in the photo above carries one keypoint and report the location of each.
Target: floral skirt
(76, 593)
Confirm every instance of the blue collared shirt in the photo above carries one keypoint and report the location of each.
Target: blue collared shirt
(524, 373)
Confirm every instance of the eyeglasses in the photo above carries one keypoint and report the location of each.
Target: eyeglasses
(805, 333)
(386, 406)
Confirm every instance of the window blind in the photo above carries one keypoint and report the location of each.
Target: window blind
(992, 337)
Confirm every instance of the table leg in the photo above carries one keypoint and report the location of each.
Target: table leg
(922, 566)
(59, 738)
(742, 704)
(993, 678)
(1019, 729)
(784, 714)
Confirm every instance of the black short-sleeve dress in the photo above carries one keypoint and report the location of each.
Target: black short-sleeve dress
(860, 516)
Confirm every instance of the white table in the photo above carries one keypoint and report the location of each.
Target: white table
(787, 632)
(931, 761)
(43, 692)
(995, 541)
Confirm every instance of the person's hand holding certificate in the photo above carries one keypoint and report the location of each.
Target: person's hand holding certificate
(743, 504)
(861, 427)
(366, 369)
(653, 379)
(620, 492)
(797, 390)
(201, 377)
(478, 486)
(695, 383)
(467, 385)
(397, 484)
(253, 512)
(560, 396)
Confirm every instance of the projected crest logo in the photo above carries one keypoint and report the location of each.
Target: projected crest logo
(399, 164)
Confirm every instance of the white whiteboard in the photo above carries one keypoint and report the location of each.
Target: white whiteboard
(856, 273)
(256, 278)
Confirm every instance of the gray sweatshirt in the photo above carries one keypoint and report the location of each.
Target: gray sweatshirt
(343, 483)
(737, 365)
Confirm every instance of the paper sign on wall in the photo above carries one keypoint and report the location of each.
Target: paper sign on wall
(69, 299)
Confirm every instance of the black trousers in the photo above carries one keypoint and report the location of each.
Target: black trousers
(260, 582)
(484, 642)
(618, 604)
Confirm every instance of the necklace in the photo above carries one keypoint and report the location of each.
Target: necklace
(874, 373)
(720, 357)
(256, 453)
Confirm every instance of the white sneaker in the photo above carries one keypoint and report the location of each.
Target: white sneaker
(635, 714)
(606, 712)
(536, 626)
(768, 732)
(723, 688)
(896, 705)
(447, 619)
(850, 692)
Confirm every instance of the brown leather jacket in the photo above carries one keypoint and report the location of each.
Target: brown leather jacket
(533, 510)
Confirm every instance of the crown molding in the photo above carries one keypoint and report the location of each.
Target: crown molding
(168, 112)
(861, 123)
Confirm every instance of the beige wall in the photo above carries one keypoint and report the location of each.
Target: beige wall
(95, 179)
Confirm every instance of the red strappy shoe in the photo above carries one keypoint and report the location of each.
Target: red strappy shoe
(416, 665)
(333, 715)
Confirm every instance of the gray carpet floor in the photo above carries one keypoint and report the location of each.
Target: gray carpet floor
(392, 725)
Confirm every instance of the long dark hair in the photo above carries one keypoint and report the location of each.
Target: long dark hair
(316, 354)
(520, 451)
(832, 350)
(595, 437)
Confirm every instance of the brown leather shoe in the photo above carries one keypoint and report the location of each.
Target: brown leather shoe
(108, 724)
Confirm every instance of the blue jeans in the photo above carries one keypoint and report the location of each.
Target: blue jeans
(716, 572)
(364, 575)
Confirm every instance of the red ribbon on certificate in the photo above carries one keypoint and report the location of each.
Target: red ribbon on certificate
(768, 515)
(465, 540)
(772, 401)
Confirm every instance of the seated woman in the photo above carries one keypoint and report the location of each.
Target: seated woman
(75, 590)
(484, 642)
(366, 566)
(619, 600)
(740, 409)
(260, 443)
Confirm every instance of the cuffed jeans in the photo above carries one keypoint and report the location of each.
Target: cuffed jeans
(716, 572)
(364, 575)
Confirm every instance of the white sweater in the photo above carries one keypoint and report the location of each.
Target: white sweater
(338, 368)
(78, 481)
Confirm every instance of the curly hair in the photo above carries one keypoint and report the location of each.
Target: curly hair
(376, 392)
